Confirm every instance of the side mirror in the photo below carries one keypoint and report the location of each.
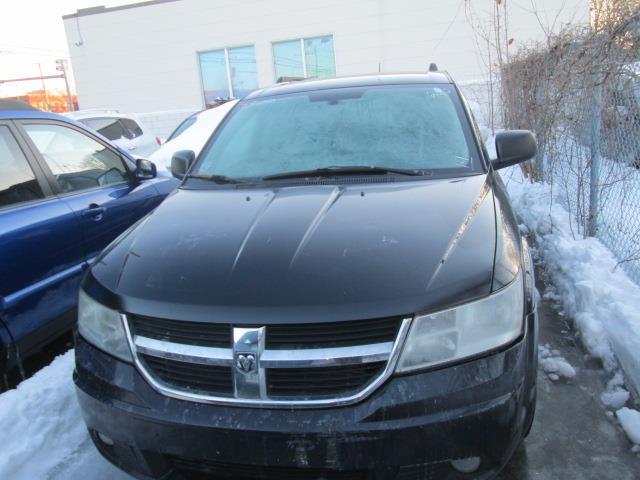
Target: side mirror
(181, 162)
(145, 169)
(514, 146)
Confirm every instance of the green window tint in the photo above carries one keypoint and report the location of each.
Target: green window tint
(319, 57)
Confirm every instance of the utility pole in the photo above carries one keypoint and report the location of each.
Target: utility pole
(61, 66)
(44, 88)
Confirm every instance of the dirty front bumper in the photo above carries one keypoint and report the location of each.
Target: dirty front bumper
(411, 428)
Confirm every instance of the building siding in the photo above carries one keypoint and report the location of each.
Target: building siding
(145, 59)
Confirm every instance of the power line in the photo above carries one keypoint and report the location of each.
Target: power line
(32, 48)
(33, 54)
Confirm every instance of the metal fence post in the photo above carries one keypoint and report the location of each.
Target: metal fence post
(594, 183)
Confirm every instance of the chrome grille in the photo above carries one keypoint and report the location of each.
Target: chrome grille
(310, 365)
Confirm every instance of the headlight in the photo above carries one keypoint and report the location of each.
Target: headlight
(102, 327)
(466, 330)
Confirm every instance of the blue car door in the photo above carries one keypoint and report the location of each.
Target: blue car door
(41, 252)
(93, 178)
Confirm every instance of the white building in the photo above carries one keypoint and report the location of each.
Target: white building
(177, 54)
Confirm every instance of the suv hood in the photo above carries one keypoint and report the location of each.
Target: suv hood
(305, 253)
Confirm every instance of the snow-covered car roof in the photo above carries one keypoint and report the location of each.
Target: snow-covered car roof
(194, 137)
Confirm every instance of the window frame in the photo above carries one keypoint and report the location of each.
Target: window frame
(225, 50)
(40, 175)
(50, 177)
(303, 54)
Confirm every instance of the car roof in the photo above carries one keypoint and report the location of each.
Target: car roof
(32, 114)
(35, 114)
(86, 114)
(353, 81)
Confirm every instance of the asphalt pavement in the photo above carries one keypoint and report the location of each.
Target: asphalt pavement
(572, 437)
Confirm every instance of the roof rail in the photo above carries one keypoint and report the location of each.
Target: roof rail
(15, 105)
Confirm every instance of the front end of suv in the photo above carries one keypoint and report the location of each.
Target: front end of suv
(314, 328)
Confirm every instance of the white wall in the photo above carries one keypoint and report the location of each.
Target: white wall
(145, 59)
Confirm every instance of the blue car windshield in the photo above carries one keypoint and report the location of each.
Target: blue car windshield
(411, 127)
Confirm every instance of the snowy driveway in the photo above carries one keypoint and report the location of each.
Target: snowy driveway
(572, 437)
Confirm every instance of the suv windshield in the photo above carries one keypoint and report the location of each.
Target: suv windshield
(416, 128)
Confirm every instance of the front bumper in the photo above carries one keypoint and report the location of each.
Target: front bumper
(410, 428)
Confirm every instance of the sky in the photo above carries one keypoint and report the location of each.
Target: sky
(32, 33)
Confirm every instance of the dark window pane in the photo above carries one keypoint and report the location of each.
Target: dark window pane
(109, 128)
(287, 59)
(131, 127)
(77, 161)
(17, 181)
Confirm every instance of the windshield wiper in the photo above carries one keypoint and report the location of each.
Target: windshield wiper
(345, 170)
(216, 178)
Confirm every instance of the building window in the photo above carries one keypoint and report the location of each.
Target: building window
(305, 57)
(228, 73)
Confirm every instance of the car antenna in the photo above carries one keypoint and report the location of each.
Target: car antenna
(433, 67)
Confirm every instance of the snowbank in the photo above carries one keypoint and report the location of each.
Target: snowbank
(40, 423)
(593, 290)
(630, 422)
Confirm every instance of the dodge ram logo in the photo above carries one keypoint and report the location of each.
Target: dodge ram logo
(245, 362)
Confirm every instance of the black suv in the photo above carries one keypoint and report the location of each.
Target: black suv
(338, 290)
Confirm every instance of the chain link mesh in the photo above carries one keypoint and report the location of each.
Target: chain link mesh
(581, 95)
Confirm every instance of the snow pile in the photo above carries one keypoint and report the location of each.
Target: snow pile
(630, 421)
(554, 364)
(615, 396)
(603, 302)
(40, 422)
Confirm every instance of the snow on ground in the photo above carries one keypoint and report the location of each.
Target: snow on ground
(40, 423)
(630, 421)
(554, 364)
(615, 396)
(42, 433)
(589, 285)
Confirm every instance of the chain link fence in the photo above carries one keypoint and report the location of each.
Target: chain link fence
(580, 93)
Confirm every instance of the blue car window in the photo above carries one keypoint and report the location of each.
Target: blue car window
(17, 181)
(77, 161)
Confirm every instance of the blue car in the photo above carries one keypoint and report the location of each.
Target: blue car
(65, 193)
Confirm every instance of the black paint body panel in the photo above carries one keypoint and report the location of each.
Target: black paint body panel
(306, 253)
(478, 408)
